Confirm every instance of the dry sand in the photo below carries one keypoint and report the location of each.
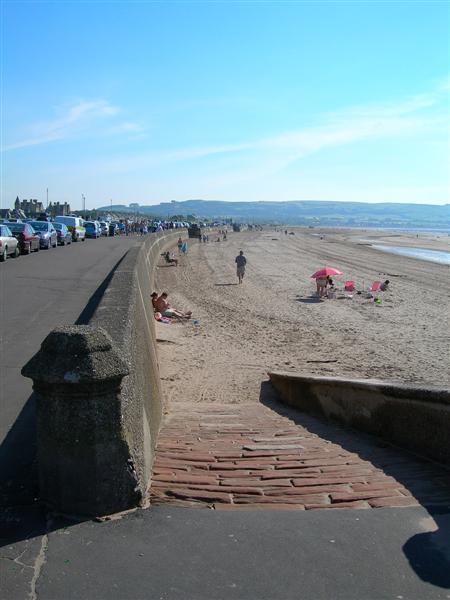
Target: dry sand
(271, 322)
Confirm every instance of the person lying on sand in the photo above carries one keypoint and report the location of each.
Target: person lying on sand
(385, 285)
(169, 259)
(163, 306)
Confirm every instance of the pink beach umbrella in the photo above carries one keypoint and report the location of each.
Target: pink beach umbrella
(325, 272)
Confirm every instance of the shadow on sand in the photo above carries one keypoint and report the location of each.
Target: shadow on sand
(309, 300)
(224, 284)
(427, 552)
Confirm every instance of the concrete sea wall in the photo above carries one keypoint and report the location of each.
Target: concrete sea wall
(414, 417)
(99, 402)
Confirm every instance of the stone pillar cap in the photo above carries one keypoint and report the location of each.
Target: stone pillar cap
(76, 354)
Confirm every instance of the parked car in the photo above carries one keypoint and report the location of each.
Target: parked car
(104, 227)
(195, 231)
(46, 232)
(9, 245)
(28, 239)
(92, 229)
(64, 235)
(113, 229)
(43, 217)
(74, 225)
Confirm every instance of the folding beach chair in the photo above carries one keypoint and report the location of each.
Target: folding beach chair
(349, 286)
(375, 286)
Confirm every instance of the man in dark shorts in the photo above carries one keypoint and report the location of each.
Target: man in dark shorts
(240, 261)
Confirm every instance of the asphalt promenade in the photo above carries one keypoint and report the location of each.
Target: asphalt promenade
(276, 542)
(39, 292)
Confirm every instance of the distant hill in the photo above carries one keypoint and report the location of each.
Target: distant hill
(306, 212)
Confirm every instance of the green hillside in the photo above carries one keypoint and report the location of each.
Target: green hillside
(325, 213)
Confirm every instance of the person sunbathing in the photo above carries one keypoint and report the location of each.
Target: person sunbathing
(154, 297)
(163, 306)
(169, 259)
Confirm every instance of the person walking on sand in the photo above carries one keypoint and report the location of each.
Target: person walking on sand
(179, 244)
(240, 261)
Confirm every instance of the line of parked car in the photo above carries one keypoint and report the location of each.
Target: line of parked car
(30, 235)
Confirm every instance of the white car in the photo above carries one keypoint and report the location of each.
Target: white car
(103, 227)
(9, 245)
(74, 225)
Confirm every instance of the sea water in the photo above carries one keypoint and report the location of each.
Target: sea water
(437, 256)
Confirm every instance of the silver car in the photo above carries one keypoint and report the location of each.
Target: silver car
(9, 246)
(47, 233)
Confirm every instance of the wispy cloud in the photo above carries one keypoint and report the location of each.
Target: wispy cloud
(249, 159)
(82, 118)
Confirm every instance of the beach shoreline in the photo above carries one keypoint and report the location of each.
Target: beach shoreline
(273, 321)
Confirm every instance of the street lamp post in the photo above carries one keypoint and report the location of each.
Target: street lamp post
(83, 197)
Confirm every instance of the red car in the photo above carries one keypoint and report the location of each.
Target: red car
(28, 238)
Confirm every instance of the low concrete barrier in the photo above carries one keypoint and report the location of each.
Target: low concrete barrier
(414, 417)
(99, 402)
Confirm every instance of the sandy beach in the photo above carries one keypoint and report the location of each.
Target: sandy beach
(273, 321)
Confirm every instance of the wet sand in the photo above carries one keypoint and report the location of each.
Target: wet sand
(273, 321)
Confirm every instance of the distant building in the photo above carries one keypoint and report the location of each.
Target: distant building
(31, 208)
(57, 209)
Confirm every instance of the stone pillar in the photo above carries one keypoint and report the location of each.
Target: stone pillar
(84, 461)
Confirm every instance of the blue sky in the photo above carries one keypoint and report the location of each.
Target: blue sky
(155, 101)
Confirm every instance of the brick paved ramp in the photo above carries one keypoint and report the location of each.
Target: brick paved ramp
(249, 456)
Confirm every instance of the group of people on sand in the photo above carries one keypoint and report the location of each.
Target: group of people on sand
(163, 311)
(326, 288)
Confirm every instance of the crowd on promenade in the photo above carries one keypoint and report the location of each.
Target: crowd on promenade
(145, 226)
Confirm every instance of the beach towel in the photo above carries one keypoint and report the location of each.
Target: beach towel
(161, 319)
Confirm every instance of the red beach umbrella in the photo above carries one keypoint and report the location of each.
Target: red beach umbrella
(325, 271)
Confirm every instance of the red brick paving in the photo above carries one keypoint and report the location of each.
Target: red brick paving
(248, 456)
